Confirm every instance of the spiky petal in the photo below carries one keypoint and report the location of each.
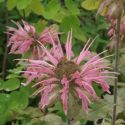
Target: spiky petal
(75, 75)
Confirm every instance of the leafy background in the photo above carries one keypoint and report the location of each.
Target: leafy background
(17, 106)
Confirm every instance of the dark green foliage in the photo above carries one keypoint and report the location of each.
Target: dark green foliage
(17, 106)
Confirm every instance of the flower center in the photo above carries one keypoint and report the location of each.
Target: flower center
(66, 68)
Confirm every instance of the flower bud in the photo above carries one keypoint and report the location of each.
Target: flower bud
(115, 10)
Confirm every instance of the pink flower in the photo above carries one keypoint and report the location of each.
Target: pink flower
(21, 38)
(112, 33)
(70, 74)
(49, 34)
(25, 38)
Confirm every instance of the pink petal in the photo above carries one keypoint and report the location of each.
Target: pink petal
(45, 96)
(68, 46)
(84, 99)
(64, 95)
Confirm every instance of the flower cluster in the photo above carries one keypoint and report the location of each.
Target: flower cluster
(58, 73)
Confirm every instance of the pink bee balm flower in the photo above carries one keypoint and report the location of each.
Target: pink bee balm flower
(49, 34)
(68, 74)
(25, 38)
(21, 38)
(112, 33)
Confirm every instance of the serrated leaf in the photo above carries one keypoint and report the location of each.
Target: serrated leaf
(11, 84)
(11, 4)
(72, 7)
(91, 4)
(22, 4)
(37, 7)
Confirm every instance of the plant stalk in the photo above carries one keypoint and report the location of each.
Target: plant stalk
(116, 66)
(6, 39)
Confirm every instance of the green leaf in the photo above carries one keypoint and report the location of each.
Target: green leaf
(37, 7)
(32, 112)
(90, 4)
(19, 100)
(14, 73)
(1, 1)
(11, 84)
(22, 4)
(74, 107)
(5, 114)
(11, 4)
(52, 119)
(98, 90)
(5, 117)
(40, 25)
(77, 123)
(29, 90)
(72, 22)
(72, 7)
(4, 100)
(51, 9)
(59, 110)
(61, 14)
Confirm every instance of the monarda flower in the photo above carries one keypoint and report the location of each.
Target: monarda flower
(112, 32)
(21, 38)
(61, 74)
(24, 38)
(111, 8)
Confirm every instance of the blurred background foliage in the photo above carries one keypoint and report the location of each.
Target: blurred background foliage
(17, 106)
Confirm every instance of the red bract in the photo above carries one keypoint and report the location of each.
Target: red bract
(63, 73)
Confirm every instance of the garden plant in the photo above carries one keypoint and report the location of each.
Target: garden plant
(62, 62)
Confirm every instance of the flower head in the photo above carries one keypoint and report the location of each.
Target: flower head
(25, 38)
(65, 73)
(21, 38)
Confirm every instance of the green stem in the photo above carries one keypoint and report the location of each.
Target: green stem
(116, 69)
